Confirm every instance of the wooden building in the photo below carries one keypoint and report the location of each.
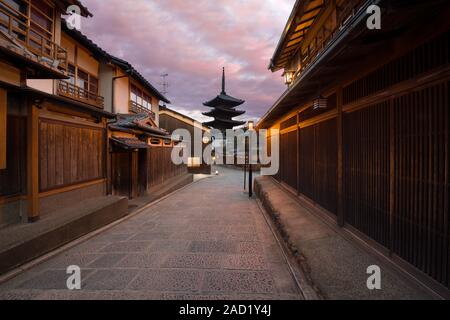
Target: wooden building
(53, 126)
(172, 120)
(364, 125)
(139, 152)
(58, 93)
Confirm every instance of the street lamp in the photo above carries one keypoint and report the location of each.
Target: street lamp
(206, 140)
(251, 128)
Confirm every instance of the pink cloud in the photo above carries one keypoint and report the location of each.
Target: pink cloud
(192, 40)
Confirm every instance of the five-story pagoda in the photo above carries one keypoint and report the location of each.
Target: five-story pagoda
(224, 110)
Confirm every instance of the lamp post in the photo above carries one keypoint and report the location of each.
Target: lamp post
(251, 128)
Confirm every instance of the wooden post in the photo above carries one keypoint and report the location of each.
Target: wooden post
(134, 174)
(340, 159)
(108, 156)
(3, 129)
(33, 163)
(391, 176)
(298, 154)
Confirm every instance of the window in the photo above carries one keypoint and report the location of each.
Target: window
(134, 93)
(83, 80)
(18, 9)
(155, 142)
(93, 84)
(139, 97)
(71, 72)
(41, 25)
(147, 102)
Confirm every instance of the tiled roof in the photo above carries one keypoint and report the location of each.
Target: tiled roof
(141, 122)
(88, 43)
(130, 143)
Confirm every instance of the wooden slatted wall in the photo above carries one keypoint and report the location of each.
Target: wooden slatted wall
(325, 170)
(318, 163)
(306, 161)
(366, 171)
(69, 154)
(161, 167)
(288, 159)
(427, 57)
(421, 212)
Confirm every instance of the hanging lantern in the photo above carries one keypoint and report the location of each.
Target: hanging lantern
(206, 140)
(288, 77)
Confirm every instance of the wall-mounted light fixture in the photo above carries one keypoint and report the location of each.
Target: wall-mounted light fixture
(320, 103)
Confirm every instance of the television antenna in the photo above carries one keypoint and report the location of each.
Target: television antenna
(164, 84)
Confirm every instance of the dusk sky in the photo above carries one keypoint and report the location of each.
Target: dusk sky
(191, 40)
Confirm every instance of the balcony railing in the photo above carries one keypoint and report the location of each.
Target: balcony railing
(344, 12)
(74, 92)
(138, 109)
(46, 51)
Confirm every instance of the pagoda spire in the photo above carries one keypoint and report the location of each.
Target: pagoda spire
(224, 110)
(223, 81)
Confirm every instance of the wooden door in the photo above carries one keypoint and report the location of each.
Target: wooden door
(121, 174)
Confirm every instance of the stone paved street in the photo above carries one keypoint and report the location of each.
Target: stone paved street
(207, 241)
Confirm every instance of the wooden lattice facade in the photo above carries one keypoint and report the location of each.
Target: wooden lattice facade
(376, 159)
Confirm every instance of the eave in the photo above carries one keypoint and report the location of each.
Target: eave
(302, 18)
(351, 46)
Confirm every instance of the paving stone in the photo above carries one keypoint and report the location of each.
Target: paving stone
(115, 237)
(75, 295)
(213, 246)
(90, 246)
(200, 236)
(65, 260)
(245, 262)
(167, 280)
(194, 261)
(142, 260)
(171, 245)
(179, 249)
(236, 236)
(126, 295)
(249, 248)
(52, 279)
(127, 247)
(19, 295)
(113, 279)
(106, 261)
(152, 235)
(238, 282)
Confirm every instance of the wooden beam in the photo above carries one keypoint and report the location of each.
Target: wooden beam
(3, 116)
(33, 163)
(340, 167)
(298, 153)
(108, 155)
(134, 174)
(391, 176)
